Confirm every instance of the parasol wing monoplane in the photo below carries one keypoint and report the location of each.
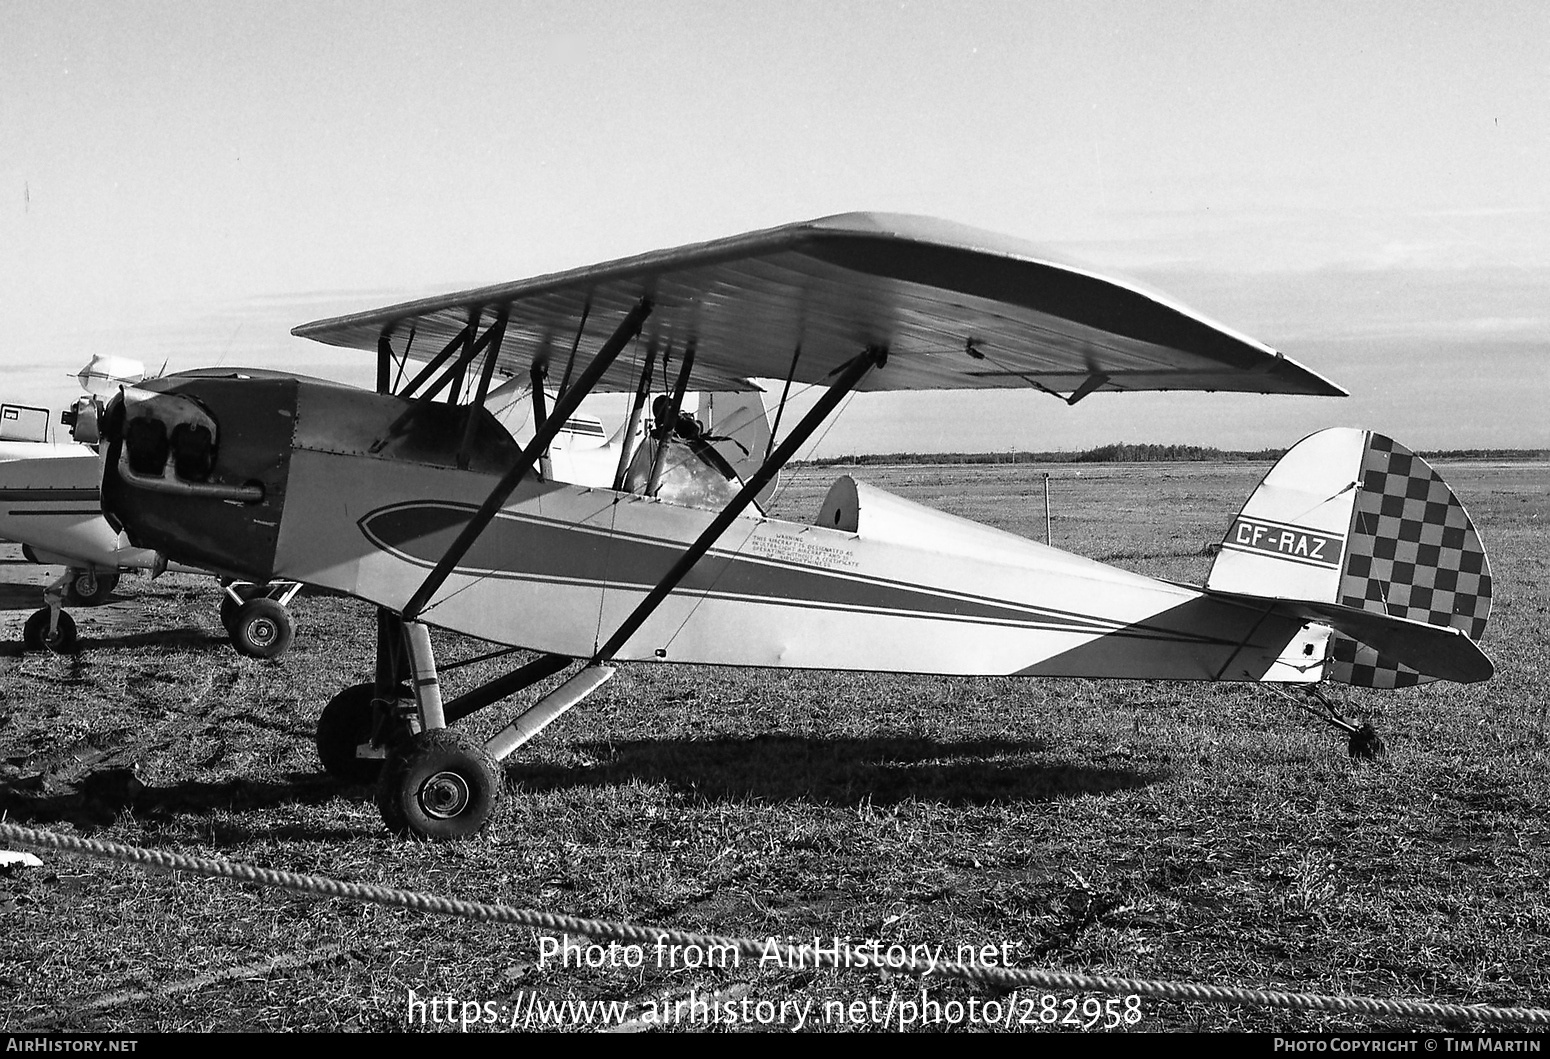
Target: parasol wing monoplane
(1352, 560)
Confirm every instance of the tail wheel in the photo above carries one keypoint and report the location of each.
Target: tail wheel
(261, 628)
(1366, 744)
(36, 635)
(442, 784)
(88, 589)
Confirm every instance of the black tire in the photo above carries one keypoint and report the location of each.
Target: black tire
(1366, 744)
(86, 590)
(261, 628)
(346, 723)
(229, 608)
(35, 633)
(440, 785)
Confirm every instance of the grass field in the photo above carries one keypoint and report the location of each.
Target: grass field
(1152, 830)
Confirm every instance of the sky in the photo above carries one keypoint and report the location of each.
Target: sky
(1359, 185)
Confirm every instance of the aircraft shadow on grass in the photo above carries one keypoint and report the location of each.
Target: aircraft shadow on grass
(780, 768)
(189, 636)
(837, 771)
(100, 797)
(185, 636)
(20, 597)
(27, 598)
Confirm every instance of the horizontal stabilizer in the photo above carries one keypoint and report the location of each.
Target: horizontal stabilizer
(1437, 651)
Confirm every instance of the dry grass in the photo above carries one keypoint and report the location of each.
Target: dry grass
(1203, 832)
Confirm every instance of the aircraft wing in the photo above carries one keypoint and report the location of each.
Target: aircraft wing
(956, 307)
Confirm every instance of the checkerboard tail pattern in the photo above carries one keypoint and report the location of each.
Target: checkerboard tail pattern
(1412, 552)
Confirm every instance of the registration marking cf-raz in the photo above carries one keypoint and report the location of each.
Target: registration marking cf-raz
(1285, 541)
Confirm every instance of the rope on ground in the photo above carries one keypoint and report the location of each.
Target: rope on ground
(782, 954)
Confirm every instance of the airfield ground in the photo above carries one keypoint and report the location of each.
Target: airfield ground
(1209, 833)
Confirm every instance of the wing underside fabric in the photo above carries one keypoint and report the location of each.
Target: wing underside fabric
(955, 307)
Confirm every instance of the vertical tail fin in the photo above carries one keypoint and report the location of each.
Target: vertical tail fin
(1354, 518)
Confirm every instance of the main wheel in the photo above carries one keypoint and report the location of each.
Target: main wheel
(442, 784)
(261, 628)
(88, 590)
(229, 608)
(36, 636)
(346, 723)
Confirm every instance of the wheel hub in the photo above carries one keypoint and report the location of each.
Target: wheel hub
(445, 795)
(262, 632)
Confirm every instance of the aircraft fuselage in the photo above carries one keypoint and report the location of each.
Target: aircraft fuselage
(338, 487)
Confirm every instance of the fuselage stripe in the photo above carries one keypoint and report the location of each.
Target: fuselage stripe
(19, 495)
(732, 577)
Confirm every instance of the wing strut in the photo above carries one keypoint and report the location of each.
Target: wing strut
(498, 333)
(402, 362)
(637, 409)
(385, 359)
(537, 373)
(659, 458)
(454, 377)
(1095, 380)
(851, 375)
(454, 374)
(628, 328)
(796, 355)
(570, 364)
(435, 363)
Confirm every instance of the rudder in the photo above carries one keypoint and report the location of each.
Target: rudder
(1412, 552)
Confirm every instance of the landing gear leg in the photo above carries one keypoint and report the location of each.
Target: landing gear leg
(1365, 744)
(438, 783)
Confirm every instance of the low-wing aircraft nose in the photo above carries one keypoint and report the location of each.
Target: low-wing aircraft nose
(196, 464)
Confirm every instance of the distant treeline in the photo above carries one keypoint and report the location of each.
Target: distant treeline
(1123, 453)
(1486, 454)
